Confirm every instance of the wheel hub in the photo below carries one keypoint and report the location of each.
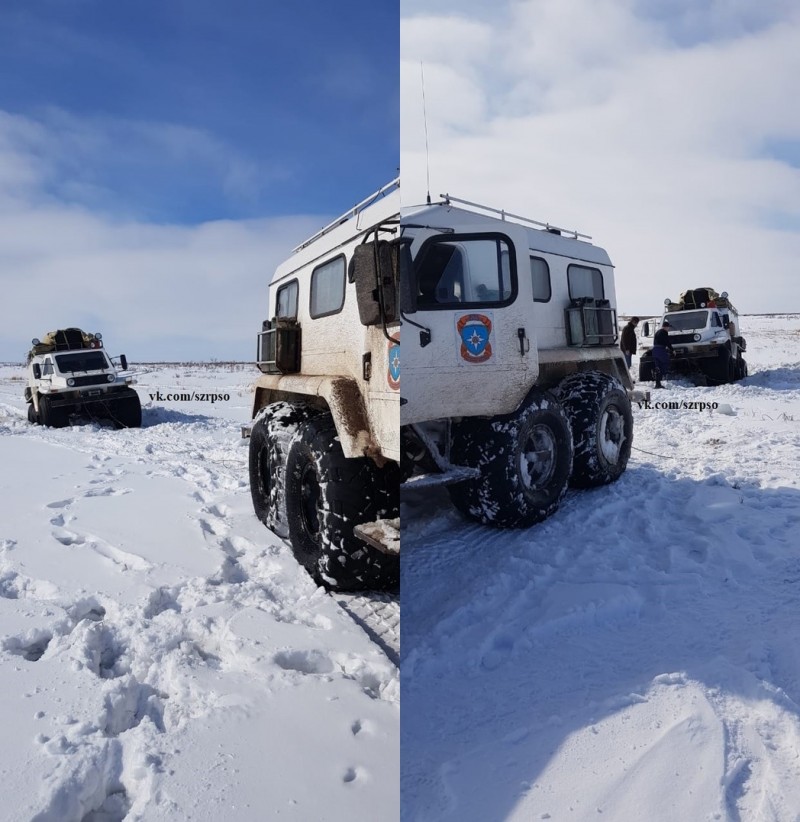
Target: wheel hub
(612, 434)
(538, 458)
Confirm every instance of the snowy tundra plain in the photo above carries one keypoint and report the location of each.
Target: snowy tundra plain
(636, 656)
(162, 655)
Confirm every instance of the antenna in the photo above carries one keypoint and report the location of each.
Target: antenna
(425, 121)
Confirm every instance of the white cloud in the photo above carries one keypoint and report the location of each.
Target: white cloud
(155, 291)
(593, 117)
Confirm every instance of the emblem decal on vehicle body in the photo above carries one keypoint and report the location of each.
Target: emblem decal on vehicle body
(475, 331)
(393, 371)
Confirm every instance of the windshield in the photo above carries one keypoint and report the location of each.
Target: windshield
(83, 361)
(465, 269)
(687, 320)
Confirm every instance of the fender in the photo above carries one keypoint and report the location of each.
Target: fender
(339, 395)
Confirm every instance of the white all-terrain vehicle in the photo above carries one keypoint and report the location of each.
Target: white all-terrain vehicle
(706, 336)
(70, 373)
(325, 436)
(513, 383)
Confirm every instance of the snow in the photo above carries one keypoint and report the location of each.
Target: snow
(162, 655)
(635, 656)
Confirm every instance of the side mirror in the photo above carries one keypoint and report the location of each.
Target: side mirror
(123, 361)
(408, 303)
(37, 371)
(646, 329)
(725, 321)
(374, 277)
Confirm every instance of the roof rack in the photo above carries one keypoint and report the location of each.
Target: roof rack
(447, 199)
(354, 211)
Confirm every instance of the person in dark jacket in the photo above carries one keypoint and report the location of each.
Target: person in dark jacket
(662, 350)
(627, 340)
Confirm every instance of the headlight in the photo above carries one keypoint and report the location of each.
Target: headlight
(697, 338)
(71, 381)
(110, 377)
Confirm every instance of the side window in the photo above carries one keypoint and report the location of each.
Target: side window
(286, 301)
(47, 367)
(327, 288)
(585, 282)
(475, 270)
(540, 278)
(716, 321)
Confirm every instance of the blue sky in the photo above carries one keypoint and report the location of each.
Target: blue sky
(175, 151)
(196, 110)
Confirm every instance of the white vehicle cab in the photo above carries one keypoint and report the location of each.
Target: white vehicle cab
(70, 373)
(513, 382)
(325, 441)
(705, 334)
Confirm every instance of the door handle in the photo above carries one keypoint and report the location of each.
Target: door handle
(524, 342)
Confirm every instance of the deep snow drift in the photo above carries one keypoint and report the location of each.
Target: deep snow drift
(636, 656)
(162, 655)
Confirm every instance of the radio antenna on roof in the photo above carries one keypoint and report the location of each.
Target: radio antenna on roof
(425, 121)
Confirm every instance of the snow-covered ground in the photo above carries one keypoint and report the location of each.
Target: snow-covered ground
(636, 656)
(162, 655)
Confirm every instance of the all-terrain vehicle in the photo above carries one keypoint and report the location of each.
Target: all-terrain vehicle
(514, 385)
(705, 335)
(325, 441)
(70, 373)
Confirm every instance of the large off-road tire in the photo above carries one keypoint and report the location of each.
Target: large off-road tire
(33, 417)
(272, 431)
(127, 411)
(741, 368)
(53, 417)
(600, 416)
(525, 460)
(646, 367)
(721, 369)
(326, 496)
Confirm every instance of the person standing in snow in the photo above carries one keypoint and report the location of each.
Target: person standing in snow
(627, 340)
(662, 350)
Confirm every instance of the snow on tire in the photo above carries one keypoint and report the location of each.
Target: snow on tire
(525, 460)
(273, 430)
(600, 416)
(327, 495)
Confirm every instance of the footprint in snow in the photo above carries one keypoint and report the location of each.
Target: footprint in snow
(66, 537)
(305, 662)
(30, 649)
(212, 528)
(107, 492)
(498, 652)
(61, 503)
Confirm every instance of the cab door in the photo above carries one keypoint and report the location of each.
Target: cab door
(467, 346)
